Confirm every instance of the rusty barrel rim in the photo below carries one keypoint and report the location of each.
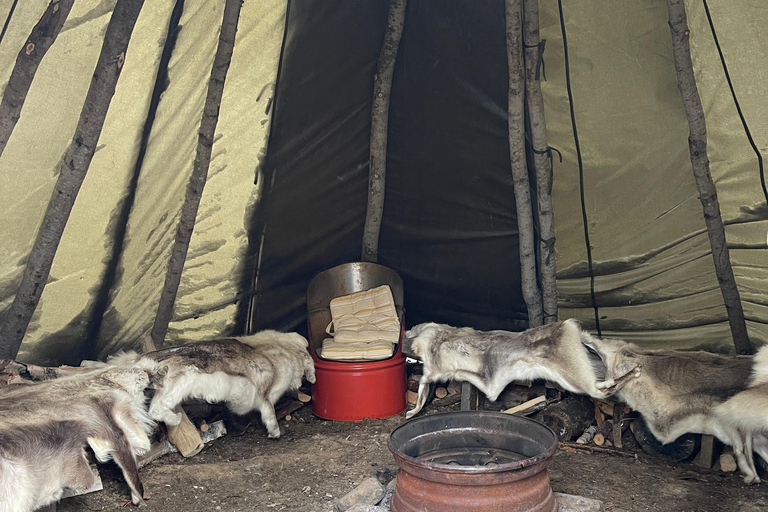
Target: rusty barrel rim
(546, 438)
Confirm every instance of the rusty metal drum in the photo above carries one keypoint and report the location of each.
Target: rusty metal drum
(473, 461)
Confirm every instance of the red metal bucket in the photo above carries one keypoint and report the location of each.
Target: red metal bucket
(353, 391)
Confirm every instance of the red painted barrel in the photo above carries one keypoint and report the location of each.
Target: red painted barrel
(356, 391)
(473, 461)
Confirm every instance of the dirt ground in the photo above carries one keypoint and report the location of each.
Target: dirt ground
(317, 461)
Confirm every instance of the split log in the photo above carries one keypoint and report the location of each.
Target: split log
(41, 38)
(542, 159)
(377, 168)
(72, 170)
(288, 408)
(728, 463)
(569, 417)
(526, 407)
(215, 430)
(522, 187)
(449, 400)
(678, 450)
(588, 435)
(697, 144)
(199, 171)
(184, 436)
(604, 433)
(411, 397)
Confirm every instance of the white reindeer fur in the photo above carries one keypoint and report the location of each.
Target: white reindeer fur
(45, 426)
(682, 402)
(261, 369)
(553, 352)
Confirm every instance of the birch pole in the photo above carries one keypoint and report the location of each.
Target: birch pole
(377, 165)
(697, 144)
(27, 61)
(72, 170)
(542, 159)
(516, 118)
(199, 171)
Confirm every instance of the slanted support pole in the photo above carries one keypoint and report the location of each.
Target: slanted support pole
(516, 117)
(697, 143)
(382, 87)
(199, 171)
(72, 170)
(542, 159)
(40, 39)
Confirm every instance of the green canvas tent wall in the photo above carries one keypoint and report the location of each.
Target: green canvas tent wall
(296, 114)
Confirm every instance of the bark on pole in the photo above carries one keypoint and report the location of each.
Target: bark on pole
(516, 117)
(199, 171)
(697, 143)
(382, 87)
(72, 170)
(40, 39)
(542, 159)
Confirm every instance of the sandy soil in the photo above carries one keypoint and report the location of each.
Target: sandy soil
(317, 461)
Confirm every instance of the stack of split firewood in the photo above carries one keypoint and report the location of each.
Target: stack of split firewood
(611, 421)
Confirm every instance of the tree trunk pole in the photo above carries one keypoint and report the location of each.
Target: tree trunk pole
(516, 117)
(40, 39)
(697, 143)
(72, 171)
(200, 170)
(382, 88)
(542, 159)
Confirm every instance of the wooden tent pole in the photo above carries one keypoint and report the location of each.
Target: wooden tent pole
(377, 168)
(40, 39)
(542, 158)
(697, 143)
(516, 117)
(72, 170)
(199, 171)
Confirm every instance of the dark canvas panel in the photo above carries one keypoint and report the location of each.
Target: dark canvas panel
(449, 224)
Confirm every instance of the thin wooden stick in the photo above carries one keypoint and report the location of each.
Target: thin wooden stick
(570, 446)
(516, 117)
(697, 144)
(382, 88)
(40, 39)
(200, 170)
(542, 159)
(72, 170)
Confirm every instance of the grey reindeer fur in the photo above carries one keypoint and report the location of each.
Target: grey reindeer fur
(692, 392)
(45, 427)
(490, 360)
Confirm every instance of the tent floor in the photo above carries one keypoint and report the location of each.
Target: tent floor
(317, 461)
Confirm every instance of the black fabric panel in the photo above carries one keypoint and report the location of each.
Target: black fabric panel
(318, 152)
(450, 226)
